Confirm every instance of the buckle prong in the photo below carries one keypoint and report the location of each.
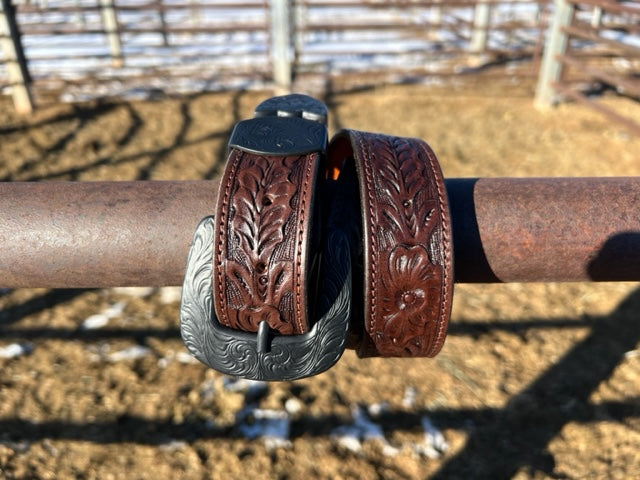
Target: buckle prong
(263, 337)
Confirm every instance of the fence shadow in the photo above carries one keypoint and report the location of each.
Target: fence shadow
(129, 134)
(518, 435)
(501, 441)
(36, 304)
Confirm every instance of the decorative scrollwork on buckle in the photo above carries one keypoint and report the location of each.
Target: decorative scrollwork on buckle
(280, 357)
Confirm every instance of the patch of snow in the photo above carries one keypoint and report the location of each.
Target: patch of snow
(273, 426)
(180, 357)
(134, 352)
(409, 399)
(138, 292)
(377, 409)
(184, 357)
(94, 322)
(208, 390)
(101, 319)
(170, 294)
(362, 428)
(251, 388)
(293, 406)
(14, 350)
(434, 444)
(349, 442)
(172, 445)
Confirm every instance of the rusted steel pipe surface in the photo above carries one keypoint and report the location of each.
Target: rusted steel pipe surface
(101, 234)
(546, 229)
(98, 234)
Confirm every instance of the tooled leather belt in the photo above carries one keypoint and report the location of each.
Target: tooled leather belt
(268, 289)
(407, 243)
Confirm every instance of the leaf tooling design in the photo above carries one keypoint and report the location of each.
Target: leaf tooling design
(261, 232)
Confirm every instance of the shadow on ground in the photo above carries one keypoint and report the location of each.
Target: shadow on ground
(501, 441)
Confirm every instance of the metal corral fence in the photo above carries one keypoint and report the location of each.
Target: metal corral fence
(415, 37)
(98, 47)
(81, 49)
(106, 47)
(593, 47)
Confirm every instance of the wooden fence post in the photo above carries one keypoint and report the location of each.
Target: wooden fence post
(16, 63)
(481, 19)
(556, 45)
(110, 22)
(281, 38)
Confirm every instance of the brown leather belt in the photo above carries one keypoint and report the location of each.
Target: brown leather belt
(263, 227)
(278, 280)
(277, 269)
(407, 243)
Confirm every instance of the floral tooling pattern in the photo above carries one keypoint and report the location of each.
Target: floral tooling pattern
(260, 242)
(407, 241)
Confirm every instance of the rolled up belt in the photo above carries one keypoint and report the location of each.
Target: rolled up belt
(407, 243)
(268, 288)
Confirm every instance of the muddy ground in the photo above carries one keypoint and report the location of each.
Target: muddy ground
(535, 380)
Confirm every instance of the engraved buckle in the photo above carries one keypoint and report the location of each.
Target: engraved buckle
(288, 125)
(293, 124)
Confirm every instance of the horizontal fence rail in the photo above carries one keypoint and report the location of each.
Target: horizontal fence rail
(101, 234)
(418, 37)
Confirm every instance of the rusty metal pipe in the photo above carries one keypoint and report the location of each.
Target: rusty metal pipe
(546, 229)
(98, 234)
(101, 234)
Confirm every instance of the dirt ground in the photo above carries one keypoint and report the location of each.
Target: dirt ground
(534, 381)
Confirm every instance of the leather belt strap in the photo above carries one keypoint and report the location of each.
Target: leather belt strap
(268, 291)
(262, 241)
(407, 243)
(262, 247)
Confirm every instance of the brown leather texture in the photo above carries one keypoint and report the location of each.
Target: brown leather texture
(262, 231)
(407, 243)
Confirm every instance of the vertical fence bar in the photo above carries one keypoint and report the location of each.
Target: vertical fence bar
(436, 14)
(542, 19)
(16, 63)
(195, 13)
(596, 18)
(481, 18)
(300, 14)
(281, 50)
(110, 22)
(80, 18)
(551, 67)
(163, 23)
